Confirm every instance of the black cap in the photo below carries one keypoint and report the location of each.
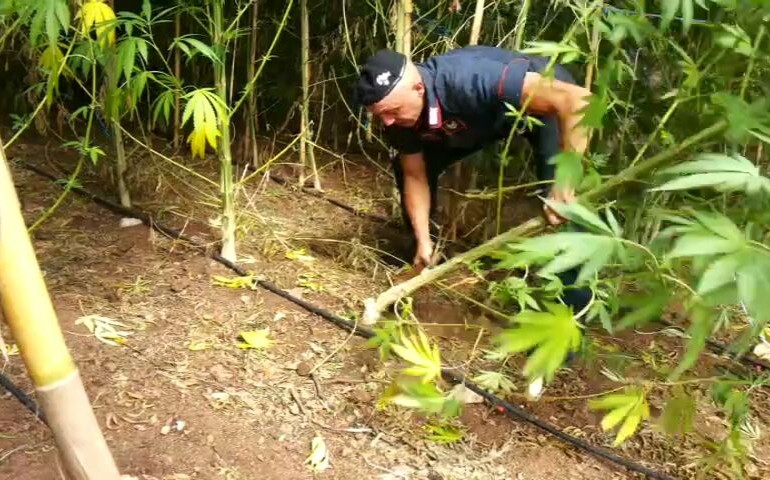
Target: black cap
(379, 74)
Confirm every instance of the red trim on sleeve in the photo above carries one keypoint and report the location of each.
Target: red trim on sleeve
(505, 72)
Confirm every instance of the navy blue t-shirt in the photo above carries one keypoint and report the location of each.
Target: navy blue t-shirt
(466, 91)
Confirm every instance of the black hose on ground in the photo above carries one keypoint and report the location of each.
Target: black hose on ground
(448, 374)
(22, 397)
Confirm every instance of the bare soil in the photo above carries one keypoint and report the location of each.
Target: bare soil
(181, 400)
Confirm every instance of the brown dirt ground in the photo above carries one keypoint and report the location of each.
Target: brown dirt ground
(243, 409)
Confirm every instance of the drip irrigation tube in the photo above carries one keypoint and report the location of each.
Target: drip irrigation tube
(22, 397)
(449, 375)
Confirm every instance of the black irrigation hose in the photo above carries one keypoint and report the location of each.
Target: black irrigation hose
(22, 397)
(449, 375)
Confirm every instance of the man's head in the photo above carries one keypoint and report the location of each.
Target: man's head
(391, 88)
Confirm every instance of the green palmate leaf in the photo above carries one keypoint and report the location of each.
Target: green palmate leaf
(49, 18)
(494, 382)
(720, 272)
(192, 46)
(722, 172)
(629, 407)
(553, 334)
(162, 106)
(569, 52)
(417, 350)
(711, 234)
(567, 250)
(679, 413)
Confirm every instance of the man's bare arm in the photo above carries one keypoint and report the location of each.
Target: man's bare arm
(417, 202)
(551, 96)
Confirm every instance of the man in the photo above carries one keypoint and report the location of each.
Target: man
(443, 110)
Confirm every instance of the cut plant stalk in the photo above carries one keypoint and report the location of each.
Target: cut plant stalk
(35, 328)
(373, 308)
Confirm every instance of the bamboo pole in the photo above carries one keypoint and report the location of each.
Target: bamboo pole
(306, 153)
(178, 76)
(33, 324)
(251, 116)
(374, 307)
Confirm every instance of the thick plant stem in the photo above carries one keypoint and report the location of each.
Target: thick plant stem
(121, 165)
(373, 308)
(225, 155)
(306, 153)
(33, 324)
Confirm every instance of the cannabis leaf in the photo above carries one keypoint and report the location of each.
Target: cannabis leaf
(494, 382)
(208, 112)
(629, 407)
(722, 172)
(417, 350)
(553, 334)
(97, 15)
(50, 17)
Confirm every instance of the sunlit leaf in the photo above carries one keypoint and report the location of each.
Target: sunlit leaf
(423, 357)
(247, 281)
(208, 112)
(629, 407)
(98, 16)
(257, 339)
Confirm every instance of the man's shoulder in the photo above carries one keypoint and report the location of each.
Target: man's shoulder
(458, 57)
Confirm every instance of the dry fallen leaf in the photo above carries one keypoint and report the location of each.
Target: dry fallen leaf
(104, 329)
(257, 339)
(319, 455)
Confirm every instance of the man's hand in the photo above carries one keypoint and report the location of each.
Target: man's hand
(423, 257)
(562, 195)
